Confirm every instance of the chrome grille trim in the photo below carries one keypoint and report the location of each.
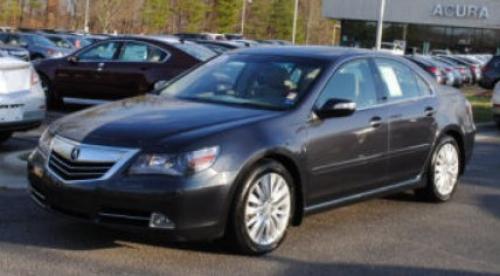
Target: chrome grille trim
(94, 162)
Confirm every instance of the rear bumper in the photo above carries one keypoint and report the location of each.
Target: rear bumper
(197, 207)
(469, 140)
(32, 105)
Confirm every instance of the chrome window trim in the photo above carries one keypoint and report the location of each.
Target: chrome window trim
(382, 103)
(123, 41)
(431, 87)
(126, 155)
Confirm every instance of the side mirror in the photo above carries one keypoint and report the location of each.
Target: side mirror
(73, 59)
(336, 108)
(160, 85)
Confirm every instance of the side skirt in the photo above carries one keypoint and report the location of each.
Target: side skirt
(379, 192)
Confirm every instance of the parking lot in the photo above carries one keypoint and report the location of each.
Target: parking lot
(395, 235)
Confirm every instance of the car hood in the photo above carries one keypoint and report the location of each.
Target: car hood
(149, 121)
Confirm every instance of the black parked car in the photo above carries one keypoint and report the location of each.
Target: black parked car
(38, 46)
(250, 142)
(491, 73)
(118, 68)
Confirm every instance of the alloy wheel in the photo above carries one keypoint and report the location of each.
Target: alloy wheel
(446, 169)
(267, 209)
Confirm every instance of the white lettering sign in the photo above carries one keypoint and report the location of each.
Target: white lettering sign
(461, 11)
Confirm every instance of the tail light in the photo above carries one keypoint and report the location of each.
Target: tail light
(433, 70)
(35, 79)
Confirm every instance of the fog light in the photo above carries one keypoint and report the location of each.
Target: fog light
(160, 221)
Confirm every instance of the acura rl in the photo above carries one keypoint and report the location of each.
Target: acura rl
(247, 144)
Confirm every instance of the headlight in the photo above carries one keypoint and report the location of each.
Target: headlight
(44, 142)
(181, 164)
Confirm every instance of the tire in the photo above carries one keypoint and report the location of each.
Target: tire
(53, 100)
(4, 137)
(259, 227)
(443, 172)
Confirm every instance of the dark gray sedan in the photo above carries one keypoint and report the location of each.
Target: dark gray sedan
(252, 141)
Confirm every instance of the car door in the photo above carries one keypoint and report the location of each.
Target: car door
(136, 69)
(412, 124)
(82, 76)
(346, 155)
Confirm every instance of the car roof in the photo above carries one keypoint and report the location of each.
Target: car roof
(157, 38)
(321, 52)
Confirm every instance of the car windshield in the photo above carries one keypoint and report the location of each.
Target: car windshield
(259, 81)
(197, 51)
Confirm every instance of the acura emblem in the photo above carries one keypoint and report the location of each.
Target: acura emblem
(75, 153)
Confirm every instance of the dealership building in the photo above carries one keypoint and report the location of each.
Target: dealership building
(458, 25)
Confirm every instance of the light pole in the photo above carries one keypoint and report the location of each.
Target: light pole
(86, 28)
(380, 26)
(295, 16)
(244, 15)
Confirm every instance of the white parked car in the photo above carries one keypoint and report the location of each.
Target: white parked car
(22, 99)
(496, 104)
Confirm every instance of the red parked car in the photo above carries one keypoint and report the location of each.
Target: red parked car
(118, 68)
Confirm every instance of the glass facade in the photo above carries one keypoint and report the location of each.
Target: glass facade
(422, 37)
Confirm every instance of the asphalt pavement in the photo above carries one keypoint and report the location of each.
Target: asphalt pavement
(389, 236)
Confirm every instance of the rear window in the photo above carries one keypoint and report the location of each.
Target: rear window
(199, 52)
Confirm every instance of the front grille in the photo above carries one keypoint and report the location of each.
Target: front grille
(77, 170)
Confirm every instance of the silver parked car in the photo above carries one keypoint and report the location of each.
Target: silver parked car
(22, 99)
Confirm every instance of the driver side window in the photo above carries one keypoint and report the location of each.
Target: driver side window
(101, 52)
(354, 82)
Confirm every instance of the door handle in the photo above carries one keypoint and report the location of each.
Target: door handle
(429, 111)
(375, 122)
(100, 66)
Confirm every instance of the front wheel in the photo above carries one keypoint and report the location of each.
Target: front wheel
(263, 209)
(443, 172)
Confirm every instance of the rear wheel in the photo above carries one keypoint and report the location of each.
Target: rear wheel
(53, 101)
(263, 209)
(4, 136)
(443, 172)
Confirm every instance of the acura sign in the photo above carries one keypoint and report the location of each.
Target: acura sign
(452, 13)
(461, 11)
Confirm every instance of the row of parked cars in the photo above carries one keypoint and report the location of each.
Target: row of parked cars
(453, 70)
(31, 44)
(458, 70)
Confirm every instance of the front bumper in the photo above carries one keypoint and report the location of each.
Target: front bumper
(197, 206)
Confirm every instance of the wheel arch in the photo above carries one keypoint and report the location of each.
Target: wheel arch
(455, 133)
(285, 159)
